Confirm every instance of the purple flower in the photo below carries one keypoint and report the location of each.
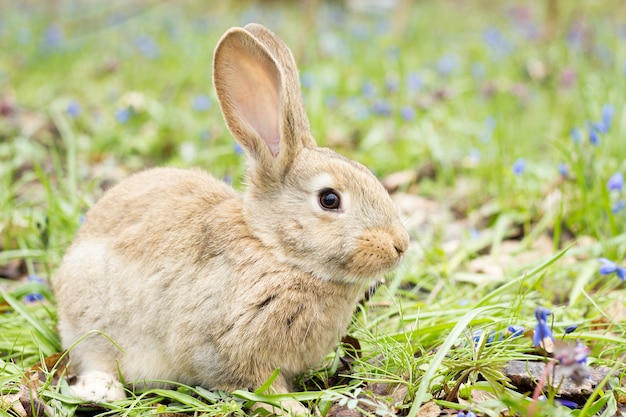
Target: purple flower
(567, 403)
(381, 107)
(571, 329)
(368, 89)
(414, 82)
(516, 331)
(594, 137)
(616, 182)
(466, 414)
(446, 65)
(147, 46)
(34, 297)
(609, 267)
(542, 330)
(407, 113)
(201, 103)
(123, 114)
(73, 109)
(519, 166)
(52, 38)
(607, 116)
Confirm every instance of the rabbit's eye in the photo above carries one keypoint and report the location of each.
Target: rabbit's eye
(329, 199)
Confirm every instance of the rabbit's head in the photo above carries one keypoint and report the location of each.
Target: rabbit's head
(316, 209)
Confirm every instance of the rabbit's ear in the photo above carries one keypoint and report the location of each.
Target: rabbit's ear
(257, 86)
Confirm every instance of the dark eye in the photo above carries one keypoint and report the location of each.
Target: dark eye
(329, 199)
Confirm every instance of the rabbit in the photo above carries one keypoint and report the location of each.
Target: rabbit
(175, 276)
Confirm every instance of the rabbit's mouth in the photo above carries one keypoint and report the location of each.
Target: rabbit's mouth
(376, 252)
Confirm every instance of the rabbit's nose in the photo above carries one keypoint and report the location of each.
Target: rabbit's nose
(401, 241)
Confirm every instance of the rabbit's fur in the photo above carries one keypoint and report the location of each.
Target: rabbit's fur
(192, 282)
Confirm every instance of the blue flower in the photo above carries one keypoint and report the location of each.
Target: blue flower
(466, 414)
(34, 297)
(73, 109)
(594, 137)
(616, 182)
(609, 267)
(519, 166)
(446, 65)
(201, 103)
(368, 89)
(576, 134)
(147, 46)
(516, 331)
(407, 113)
(238, 149)
(571, 329)
(414, 82)
(381, 107)
(607, 116)
(52, 38)
(567, 403)
(542, 330)
(563, 170)
(618, 206)
(123, 114)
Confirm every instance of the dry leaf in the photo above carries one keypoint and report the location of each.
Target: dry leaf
(429, 409)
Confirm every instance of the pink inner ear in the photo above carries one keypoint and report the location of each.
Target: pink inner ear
(257, 96)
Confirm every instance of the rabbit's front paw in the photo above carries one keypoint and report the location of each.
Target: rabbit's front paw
(98, 387)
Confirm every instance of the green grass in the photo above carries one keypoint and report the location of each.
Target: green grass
(482, 94)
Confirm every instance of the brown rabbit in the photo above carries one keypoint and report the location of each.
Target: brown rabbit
(197, 284)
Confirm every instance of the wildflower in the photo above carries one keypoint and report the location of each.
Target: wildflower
(519, 166)
(543, 334)
(238, 149)
(466, 414)
(34, 297)
(572, 360)
(567, 403)
(123, 114)
(616, 182)
(571, 329)
(607, 116)
(73, 109)
(414, 82)
(368, 89)
(576, 134)
(563, 171)
(567, 77)
(52, 38)
(446, 65)
(407, 113)
(609, 267)
(516, 331)
(594, 137)
(147, 46)
(201, 103)
(490, 339)
(381, 107)
(618, 206)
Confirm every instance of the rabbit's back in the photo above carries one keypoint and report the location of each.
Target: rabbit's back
(137, 258)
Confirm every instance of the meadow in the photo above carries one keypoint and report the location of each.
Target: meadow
(499, 128)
